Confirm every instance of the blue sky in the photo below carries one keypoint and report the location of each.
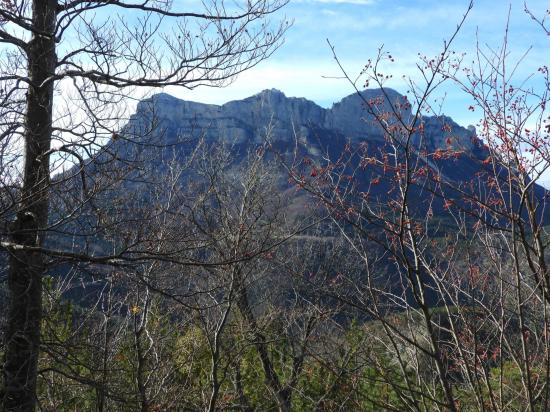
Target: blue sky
(358, 27)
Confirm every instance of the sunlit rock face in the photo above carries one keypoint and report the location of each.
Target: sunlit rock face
(355, 115)
(288, 119)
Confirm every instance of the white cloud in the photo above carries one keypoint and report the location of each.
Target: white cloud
(292, 78)
(317, 80)
(328, 12)
(356, 2)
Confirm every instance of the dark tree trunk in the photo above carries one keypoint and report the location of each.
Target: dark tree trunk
(26, 267)
(281, 396)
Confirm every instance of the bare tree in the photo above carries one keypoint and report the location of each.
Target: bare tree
(67, 67)
(242, 215)
(257, 313)
(463, 318)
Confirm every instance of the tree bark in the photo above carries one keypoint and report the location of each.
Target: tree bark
(26, 268)
(281, 396)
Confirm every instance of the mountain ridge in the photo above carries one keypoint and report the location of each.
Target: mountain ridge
(245, 120)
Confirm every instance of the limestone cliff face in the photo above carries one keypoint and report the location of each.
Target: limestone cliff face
(272, 109)
(352, 117)
(246, 121)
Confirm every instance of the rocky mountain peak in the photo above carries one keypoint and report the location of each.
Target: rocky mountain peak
(245, 120)
(269, 93)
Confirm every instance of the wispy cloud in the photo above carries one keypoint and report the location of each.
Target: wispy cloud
(356, 2)
(304, 66)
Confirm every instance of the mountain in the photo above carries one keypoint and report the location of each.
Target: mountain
(297, 122)
(165, 129)
(244, 121)
(453, 152)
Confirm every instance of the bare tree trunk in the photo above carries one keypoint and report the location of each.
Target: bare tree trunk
(140, 325)
(238, 383)
(272, 379)
(26, 267)
(140, 373)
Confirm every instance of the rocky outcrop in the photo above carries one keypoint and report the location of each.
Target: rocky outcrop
(247, 121)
